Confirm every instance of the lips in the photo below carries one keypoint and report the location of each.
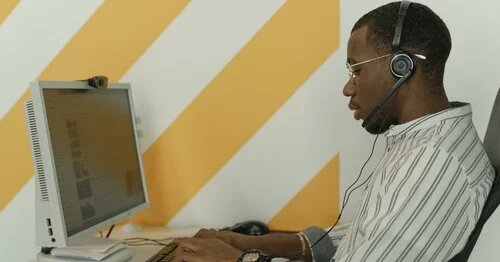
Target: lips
(353, 107)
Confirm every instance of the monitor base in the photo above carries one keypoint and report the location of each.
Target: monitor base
(122, 255)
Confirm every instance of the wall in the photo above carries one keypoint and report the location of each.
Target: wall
(241, 104)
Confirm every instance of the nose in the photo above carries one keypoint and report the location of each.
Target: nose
(349, 89)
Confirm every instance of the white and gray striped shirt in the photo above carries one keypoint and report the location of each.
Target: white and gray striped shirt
(425, 196)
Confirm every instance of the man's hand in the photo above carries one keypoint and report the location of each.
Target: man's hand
(205, 250)
(239, 241)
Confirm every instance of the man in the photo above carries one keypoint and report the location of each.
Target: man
(426, 194)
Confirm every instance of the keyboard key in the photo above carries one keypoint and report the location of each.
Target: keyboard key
(166, 254)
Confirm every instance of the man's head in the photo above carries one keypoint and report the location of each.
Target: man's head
(371, 37)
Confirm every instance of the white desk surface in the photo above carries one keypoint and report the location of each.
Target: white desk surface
(143, 253)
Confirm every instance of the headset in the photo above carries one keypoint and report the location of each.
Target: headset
(402, 63)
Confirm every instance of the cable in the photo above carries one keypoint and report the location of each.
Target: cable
(146, 244)
(140, 241)
(359, 176)
(110, 230)
(344, 202)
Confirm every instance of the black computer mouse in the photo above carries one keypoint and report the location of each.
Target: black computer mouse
(252, 227)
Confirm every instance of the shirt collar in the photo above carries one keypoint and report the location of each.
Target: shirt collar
(456, 109)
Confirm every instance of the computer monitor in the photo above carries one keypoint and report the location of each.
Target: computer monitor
(88, 168)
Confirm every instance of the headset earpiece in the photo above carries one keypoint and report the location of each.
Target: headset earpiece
(401, 64)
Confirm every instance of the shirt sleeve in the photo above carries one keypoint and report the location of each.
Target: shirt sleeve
(325, 248)
(419, 210)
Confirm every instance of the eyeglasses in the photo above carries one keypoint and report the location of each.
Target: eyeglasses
(352, 72)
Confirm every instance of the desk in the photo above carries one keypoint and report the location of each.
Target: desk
(143, 253)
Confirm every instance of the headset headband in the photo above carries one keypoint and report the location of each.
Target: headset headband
(399, 26)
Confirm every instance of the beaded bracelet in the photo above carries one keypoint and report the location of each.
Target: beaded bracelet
(303, 243)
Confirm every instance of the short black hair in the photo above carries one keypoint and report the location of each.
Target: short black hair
(423, 33)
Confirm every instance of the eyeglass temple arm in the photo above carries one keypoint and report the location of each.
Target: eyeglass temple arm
(370, 60)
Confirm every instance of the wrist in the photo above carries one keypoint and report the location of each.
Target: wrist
(303, 245)
(246, 243)
(286, 245)
(234, 258)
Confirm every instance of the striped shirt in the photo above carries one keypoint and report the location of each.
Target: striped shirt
(424, 197)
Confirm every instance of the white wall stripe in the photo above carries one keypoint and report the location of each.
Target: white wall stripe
(17, 225)
(31, 37)
(275, 164)
(188, 55)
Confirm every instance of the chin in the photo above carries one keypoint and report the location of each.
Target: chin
(375, 127)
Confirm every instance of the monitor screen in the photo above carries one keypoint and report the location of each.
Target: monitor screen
(95, 154)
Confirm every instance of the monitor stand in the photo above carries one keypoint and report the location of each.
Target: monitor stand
(94, 249)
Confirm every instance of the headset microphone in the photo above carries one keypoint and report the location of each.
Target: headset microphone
(388, 95)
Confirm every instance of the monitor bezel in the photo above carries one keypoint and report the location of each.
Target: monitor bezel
(56, 212)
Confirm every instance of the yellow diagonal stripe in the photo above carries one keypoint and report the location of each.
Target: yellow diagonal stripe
(316, 204)
(250, 89)
(6, 6)
(110, 42)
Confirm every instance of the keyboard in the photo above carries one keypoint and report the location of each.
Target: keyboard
(167, 253)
